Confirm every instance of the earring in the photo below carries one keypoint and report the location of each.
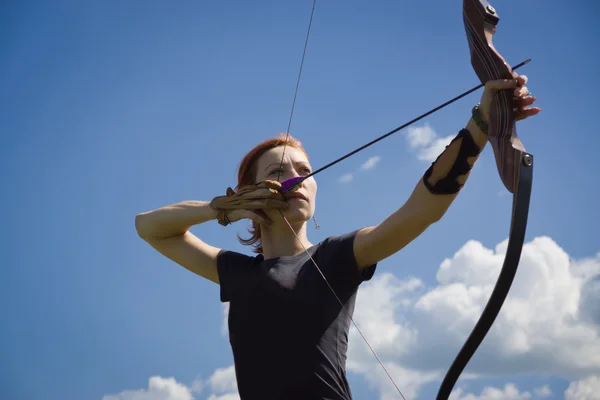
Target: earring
(315, 221)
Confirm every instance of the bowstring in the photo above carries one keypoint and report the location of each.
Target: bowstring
(342, 305)
(290, 226)
(287, 132)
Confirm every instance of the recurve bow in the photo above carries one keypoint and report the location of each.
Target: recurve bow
(514, 164)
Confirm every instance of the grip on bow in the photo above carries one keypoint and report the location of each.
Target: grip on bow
(480, 20)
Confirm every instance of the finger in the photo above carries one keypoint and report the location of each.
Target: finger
(527, 100)
(521, 80)
(501, 84)
(263, 204)
(527, 112)
(271, 184)
(257, 216)
(271, 203)
(521, 91)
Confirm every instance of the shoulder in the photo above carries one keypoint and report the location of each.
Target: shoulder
(225, 256)
(347, 244)
(341, 250)
(232, 262)
(234, 269)
(376, 243)
(364, 246)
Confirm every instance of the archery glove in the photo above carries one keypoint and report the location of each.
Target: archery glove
(264, 195)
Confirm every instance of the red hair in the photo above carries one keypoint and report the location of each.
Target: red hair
(247, 176)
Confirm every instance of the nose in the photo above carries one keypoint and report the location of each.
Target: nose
(288, 174)
(292, 184)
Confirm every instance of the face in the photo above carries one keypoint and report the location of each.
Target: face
(301, 200)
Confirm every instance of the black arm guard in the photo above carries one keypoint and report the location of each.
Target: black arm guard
(449, 184)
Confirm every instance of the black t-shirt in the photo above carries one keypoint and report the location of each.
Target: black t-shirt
(288, 332)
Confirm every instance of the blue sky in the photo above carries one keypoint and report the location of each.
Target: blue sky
(113, 108)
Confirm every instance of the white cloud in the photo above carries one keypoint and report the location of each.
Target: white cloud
(223, 381)
(542, 392)
(367, 165)
(346, 178)
(159, 388)
(427, 142)
(510, 392)
(544, 329)
(221, 384)
(225, 324)
(585, 389)
(370, 163)
(420, 136)
(431, 152)
(228, 396)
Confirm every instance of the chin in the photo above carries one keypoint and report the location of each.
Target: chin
(298, 215)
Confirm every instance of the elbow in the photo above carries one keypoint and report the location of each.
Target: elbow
(432, 212)
(150, 228)
(434, 217)
(428, 216)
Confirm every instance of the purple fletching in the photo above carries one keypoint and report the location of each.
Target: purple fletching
(289, 184)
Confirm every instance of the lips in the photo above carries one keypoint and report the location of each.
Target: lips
(296, 195)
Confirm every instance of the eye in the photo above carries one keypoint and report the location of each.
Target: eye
(276, 171)
(305, 170)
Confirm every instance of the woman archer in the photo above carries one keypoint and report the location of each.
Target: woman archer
(288, 332)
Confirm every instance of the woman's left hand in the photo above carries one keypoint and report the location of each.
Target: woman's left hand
(524, 99)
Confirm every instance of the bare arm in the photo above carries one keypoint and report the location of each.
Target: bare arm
(167, 230)
(422, 209)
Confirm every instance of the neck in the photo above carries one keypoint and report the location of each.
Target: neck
(278, 239)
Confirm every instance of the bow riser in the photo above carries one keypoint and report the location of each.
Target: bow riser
(480, 20)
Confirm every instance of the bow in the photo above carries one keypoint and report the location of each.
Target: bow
(514, 164)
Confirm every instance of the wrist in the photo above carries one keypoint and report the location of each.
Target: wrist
(479, 136)
(211, 212)
(480, 118)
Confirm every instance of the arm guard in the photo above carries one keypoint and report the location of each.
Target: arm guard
(442, 175)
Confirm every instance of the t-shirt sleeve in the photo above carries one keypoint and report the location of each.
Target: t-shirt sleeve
(341, 265)
(235, 271)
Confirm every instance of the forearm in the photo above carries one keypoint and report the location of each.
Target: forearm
(173, 220)
(478, 136)
(435, 191)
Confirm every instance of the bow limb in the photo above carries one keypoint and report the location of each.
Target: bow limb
(514, 164)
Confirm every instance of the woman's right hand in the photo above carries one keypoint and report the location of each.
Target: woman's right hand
(248, 202)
